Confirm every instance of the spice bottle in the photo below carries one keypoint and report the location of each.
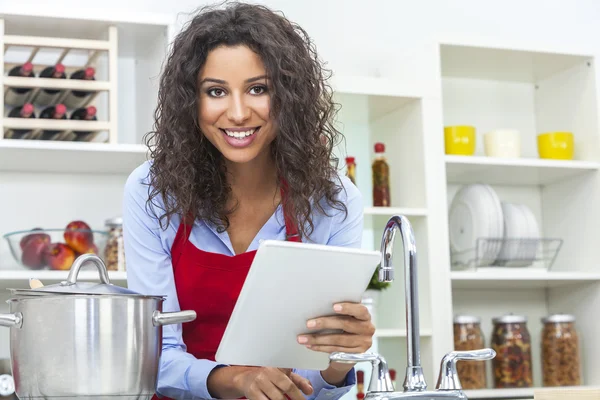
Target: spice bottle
(381, 178)
(351, 169)
(560, 351)
(114, 253)
(512, 343)
(468, 336)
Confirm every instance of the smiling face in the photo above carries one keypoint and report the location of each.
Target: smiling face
(234, 104)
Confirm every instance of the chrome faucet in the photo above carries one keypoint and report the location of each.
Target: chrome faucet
(381, 388)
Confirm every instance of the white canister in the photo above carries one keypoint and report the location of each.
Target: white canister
(505, 143)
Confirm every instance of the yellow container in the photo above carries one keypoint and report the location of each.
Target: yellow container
(556, 145)
(459, 140)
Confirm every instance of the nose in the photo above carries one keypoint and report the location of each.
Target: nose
(238, 111)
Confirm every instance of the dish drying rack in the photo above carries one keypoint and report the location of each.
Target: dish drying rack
(509, 253)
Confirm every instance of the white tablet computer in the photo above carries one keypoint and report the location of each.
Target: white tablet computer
(288, 284)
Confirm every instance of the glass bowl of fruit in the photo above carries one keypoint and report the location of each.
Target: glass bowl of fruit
(55, 249)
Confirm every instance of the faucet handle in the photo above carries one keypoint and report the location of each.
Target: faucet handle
(380, 374)
(448, 378)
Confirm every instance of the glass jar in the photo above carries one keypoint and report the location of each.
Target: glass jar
(114, 253)
(512, 343)
(560, 351)
(468, 336)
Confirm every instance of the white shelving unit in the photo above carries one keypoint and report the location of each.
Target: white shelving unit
(535, 90)
(486, 84)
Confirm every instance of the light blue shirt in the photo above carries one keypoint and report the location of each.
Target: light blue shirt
(149, 271)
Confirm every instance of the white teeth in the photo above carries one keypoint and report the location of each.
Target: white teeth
(240, 135)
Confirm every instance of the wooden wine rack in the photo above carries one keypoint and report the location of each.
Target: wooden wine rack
(95, 48)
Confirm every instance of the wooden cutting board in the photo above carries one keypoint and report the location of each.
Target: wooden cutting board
(567, 393)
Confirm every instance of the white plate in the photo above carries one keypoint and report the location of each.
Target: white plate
(475, 213)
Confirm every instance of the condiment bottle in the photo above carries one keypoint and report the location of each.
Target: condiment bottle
(512, 343)
(114, 253)
(351, 169)
(468, 336)
(381, 178)
(560, 351)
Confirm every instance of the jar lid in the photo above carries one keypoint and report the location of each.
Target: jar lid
(114, 222)
(558, 318)
(466, 319)
(510, 319)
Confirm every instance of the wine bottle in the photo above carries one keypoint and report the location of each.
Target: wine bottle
(16, 96)
(50, 96)
(85, 114)
(78, 98)
(24, 111)
(58, 111)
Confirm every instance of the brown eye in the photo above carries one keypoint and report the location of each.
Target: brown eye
(216, 92)
(258, 90)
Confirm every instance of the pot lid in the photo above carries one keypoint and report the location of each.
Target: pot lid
(71, 286)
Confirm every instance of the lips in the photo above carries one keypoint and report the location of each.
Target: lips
(240, 137)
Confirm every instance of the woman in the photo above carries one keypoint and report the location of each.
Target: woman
(242, 152)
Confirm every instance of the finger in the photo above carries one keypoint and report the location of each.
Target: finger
(255, 392)
(332, 349)
(355, 310)
(340, 340)
(346, 323)
(302, 383)
(285, 385)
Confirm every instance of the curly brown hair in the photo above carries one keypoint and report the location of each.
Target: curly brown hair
(189, 173)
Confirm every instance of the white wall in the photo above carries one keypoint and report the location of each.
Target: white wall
(356, 36)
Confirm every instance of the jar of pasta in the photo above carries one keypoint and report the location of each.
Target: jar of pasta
(468, 336)
(512, 343)
(560, 351)
(114, 253)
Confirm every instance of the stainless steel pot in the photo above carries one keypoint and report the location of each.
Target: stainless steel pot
(78, 340)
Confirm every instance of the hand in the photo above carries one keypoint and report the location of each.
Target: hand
(272, 384)
(354, 320)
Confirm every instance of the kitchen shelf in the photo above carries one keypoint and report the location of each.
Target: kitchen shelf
(373, 86)
(399, 333)
(20, 278)
(69, 157)
(519, 278)
(496, 394)
(51, 42)
(55, 124)
(61, 84)
(389, 211)
(521, 171)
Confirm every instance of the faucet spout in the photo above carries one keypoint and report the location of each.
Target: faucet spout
(415, 379)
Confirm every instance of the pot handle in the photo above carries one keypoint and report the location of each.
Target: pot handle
(171, 318)
(80, 261)
(11, 320)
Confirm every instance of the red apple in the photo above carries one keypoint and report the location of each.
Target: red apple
(26, 238)
(34, 251)
(78, 236)
(91, 250)
(59, 256)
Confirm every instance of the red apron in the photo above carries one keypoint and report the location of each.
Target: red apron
(209, 283)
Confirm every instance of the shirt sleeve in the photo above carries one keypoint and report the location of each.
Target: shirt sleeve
(149, 271)
(346, 231)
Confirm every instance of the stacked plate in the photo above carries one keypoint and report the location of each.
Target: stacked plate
(521, 231)
(475, 213)
(485, 231)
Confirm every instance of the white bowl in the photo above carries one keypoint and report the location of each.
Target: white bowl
(504, 143)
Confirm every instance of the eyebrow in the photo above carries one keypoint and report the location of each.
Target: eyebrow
(222, 82)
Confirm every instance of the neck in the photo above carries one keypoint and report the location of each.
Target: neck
(253, 181)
